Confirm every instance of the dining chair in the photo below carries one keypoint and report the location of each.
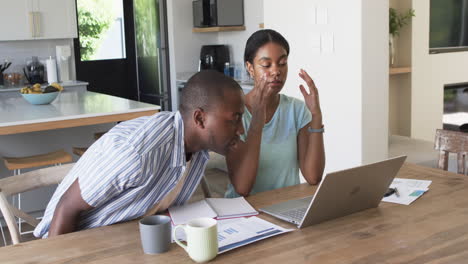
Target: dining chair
(447, 142)
(16, 164)
(24, 182)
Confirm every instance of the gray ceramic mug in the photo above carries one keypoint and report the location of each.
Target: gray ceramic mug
(155, 233)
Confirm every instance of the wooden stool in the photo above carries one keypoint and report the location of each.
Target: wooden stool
(98, 135)
(15, 164)
(79, 151)
(52, 158)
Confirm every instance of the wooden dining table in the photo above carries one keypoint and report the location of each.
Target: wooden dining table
(433, 229)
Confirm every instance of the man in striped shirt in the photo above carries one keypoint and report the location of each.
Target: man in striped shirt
(142, 166)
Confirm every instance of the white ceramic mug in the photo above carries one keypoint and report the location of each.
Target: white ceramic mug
(202, 238)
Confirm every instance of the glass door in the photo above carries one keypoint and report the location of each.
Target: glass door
(151, 52)
(121, 49)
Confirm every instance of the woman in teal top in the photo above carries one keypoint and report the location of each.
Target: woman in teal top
(283, 134)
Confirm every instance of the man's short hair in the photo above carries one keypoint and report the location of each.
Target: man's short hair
(205, 90)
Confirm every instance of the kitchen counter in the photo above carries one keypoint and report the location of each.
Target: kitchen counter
(69, 84)
(69, 121)
(73, 106)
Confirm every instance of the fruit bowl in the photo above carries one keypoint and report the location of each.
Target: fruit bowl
(38, 96)
(40, 99)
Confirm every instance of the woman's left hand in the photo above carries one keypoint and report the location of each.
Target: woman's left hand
(312, 98)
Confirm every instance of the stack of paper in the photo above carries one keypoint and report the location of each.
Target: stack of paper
(408, 190)
(234, 233)
(219, 208)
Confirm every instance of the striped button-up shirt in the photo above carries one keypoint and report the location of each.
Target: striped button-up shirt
(128, 170)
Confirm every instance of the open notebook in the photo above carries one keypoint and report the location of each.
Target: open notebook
(219, 208)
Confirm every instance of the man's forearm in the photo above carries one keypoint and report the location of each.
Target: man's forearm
(68, 210)
(63, 221)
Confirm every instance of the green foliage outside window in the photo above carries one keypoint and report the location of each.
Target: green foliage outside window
(94, 19)
(450, 95)
(147, 27)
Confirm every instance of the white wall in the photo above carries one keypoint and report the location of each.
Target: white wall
(374, 80)
(400, 84)
(354, 104)
(253, 16)
(430, 74)
(184, 45)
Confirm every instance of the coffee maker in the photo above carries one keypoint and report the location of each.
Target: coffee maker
(34, 71)
(213, 57)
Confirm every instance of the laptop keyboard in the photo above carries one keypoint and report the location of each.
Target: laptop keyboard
(296, 214)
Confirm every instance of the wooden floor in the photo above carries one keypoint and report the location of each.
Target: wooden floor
(24, 238)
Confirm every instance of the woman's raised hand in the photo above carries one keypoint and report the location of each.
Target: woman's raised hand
(260, 94)
(311, 98)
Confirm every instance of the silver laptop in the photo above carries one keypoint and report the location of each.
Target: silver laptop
(340, 193)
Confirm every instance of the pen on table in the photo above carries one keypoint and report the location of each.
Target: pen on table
(396, 192)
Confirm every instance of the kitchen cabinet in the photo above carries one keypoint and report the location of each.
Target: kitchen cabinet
(38, 19)
(14, 20)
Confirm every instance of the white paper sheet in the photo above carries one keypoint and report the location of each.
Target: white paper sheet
(410, 183)
(221, 208)
(234, 207)
(234, 233)
(183, 214)
(408, 189)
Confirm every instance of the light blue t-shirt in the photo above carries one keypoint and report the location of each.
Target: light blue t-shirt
(278, 163)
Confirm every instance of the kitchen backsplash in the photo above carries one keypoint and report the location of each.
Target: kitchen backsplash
(19, 52)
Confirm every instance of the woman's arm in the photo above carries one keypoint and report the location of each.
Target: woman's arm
(311, 153)
(242, 162)
(311, 150)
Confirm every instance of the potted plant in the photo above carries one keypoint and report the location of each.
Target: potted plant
(396, 22)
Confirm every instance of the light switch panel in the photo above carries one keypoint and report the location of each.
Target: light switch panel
(312, 15)
(313, 43)
(327, 43)
(313, 40)
(322, 15)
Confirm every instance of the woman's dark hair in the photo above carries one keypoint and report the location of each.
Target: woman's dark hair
(260, 38)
